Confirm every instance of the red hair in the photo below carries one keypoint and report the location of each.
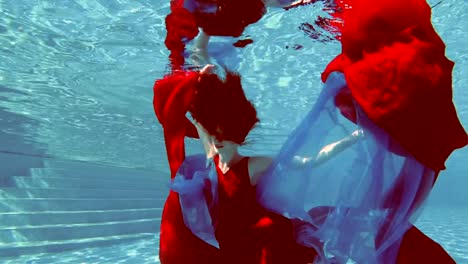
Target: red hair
(222, 108)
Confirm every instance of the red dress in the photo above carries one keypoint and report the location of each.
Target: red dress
(248, 233)
(177, 245)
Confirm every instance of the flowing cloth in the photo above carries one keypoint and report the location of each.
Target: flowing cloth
(178, 244)
(358, 211)
(396, 86)
(359, 204)
(396, 70)
(215, 18)
(221, 209)
(226, 18)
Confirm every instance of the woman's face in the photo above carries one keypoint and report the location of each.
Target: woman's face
(223, 147)
(217, 142)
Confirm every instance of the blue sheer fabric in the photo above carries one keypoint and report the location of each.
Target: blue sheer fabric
(356, 206)
(201, 6)
(196, 183)
(353, 208)
(221, 52)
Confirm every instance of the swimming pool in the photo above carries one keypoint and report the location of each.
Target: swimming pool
(75, 85)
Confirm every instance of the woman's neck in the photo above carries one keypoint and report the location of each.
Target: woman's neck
(226, 162)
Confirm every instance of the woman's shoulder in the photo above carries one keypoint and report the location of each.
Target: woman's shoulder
(257, 166)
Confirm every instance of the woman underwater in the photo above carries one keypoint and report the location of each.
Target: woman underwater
(245, 231)
(389, 237)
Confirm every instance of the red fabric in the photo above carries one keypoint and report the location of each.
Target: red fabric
(172, 97)
(416, 247)
(230, 19)
(249, 234)
(231, 16)
(176, 4)
(396, 70)
(177, 244)
(181, 27)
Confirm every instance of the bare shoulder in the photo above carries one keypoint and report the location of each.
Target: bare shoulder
(257, 166)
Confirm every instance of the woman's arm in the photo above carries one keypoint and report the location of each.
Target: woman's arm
(206, 143)
(172, 96)
(199, 54)
(330, 150)
(257, 166)
(202, 133)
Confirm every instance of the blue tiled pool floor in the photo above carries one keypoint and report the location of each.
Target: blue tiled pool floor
(138, 252)
(446, 225)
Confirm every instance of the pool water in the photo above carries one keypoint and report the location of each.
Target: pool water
(76, 82)
(447, 225)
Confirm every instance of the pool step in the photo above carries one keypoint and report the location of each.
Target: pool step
(57, 232)
(62, 182)
(78, 205)
(61, 204)
(83, 168)
(144, 176)
(11, 193)
(21, 248)
(41, 218)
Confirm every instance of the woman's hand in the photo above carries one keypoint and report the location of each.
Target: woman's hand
(329, 150)
(208, 69)
(301, 160)
(359, 133)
